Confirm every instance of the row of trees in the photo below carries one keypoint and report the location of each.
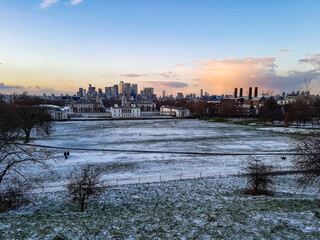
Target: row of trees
(298, 112)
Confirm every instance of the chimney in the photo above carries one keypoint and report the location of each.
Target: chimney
(241, 92)
(250, 93)
(235, 93)
(256, 92)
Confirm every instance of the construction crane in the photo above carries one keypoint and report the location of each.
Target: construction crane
(307, 86)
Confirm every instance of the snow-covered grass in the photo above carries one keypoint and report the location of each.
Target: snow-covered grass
(210, 208)
(189, 135)
(189, 209)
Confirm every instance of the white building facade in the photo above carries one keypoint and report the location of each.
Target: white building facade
(174, 111)
(125, 112)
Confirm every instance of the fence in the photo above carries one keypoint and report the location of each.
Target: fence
(169, 177)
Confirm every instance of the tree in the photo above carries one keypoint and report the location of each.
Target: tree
(230, 109)
(298, 112)
(84, 183)
(30, 116)
(14, 156)
(13, 193)
(309, 160)
(259, 181)
(271, 111)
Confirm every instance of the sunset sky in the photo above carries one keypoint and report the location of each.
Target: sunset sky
(57, 46)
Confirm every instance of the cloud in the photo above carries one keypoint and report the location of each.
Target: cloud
(284, 50)
(167, 74)
(223, 75)
(47, 3)
(133, 75)
(37, 87)
(75, 2)
(167, 84)
(3, 86)
(314, 60)
(180, 65)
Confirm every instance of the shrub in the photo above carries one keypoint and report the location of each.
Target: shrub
(259, 181)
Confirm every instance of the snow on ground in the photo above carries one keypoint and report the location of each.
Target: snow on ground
(188, 135)
(207, 208)
(189, 209)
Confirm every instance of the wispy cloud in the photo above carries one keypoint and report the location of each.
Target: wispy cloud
(167, 74)
(75, 2)
(314, 60)
(47, 3)
(133, 75)
(167, 84)
(4, 86)
(284, 50)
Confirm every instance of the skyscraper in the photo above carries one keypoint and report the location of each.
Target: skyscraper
(134, 89)
(81, 92)
(121, 87)
(127, 90)
(201, 93)
(163, 94)
(115, 90)
(147, 93)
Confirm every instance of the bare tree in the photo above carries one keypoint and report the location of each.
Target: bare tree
(13, 192)
(84, 182)
(27, 114)
(259, 181)
(309, 162)
(14, 158)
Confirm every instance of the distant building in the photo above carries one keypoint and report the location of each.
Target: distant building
(125, 112)
(56, 112)
(174, 111)
(147, 93)
(121, 88)
(134, 89)
(92, 91)
(144, 106)
(179, 96)
(115, 90)
(86, 107)
(257, 101)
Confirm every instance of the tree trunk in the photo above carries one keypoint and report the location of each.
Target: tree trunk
(27, 138)
(82, 205)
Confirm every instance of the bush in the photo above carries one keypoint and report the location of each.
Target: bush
(84, 182)
(309, 160)
(13, 194)
(259, 181)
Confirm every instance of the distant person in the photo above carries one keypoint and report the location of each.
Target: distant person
(65, 155)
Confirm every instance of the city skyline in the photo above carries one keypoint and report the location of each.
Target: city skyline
(56, 46)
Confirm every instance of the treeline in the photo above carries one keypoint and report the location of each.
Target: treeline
(298, 112)
(20, 115)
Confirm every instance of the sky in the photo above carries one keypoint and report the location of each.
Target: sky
(57, 46)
